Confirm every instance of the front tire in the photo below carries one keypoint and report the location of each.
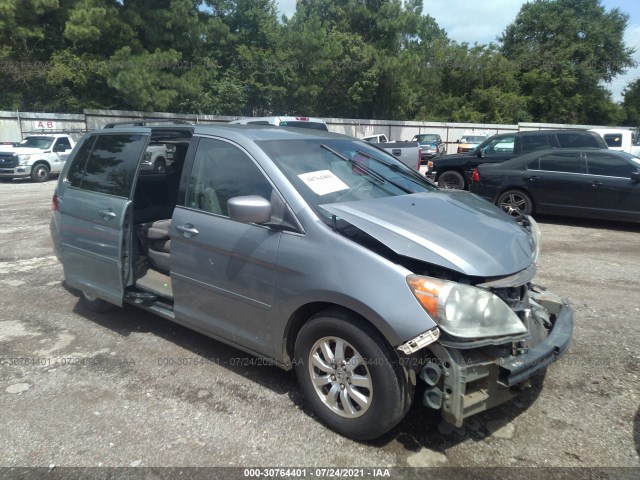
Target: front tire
(40, 173)
(350, 376)
(515, 203)
(451, 180)
(95, 304)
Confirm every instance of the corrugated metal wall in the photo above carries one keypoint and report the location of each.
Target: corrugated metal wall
(15, 125)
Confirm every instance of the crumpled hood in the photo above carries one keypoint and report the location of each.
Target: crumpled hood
(452, 229)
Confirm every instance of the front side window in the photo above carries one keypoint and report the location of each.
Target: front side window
(62, 144)
(222, 171)
(609, 166)
(112, 164)
(499, 145)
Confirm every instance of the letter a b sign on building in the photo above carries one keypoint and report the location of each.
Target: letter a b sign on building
(44, 125)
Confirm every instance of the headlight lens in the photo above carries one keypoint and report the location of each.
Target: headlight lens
(23, 158)
(464, 311)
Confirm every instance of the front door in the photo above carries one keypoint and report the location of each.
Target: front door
(95, 217)
(557, 182)
(223, 271)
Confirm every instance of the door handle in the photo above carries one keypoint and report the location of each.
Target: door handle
(108, 214)
(595, 183)
(188, 230)
(532, 179)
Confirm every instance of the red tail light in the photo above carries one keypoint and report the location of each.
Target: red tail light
(54, 202)
(475, 176)
(304, 119)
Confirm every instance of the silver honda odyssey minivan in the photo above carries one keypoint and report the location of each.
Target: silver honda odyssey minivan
(320, 253)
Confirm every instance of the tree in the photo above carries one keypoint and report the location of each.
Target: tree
(631, 103)
(566, 50)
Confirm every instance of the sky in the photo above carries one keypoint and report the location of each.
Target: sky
(474, 21)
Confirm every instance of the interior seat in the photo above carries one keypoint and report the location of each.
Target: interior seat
(159, 241)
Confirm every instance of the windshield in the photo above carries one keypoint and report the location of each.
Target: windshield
(36, 142)
(472, 139)
(335, 171)
(426, 138)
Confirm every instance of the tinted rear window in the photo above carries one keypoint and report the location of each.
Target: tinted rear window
(580, 140)
(535, 142)
(562, 162)
(76, 170)
(313, 125)
(112, 164)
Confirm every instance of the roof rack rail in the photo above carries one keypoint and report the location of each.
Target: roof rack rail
(45, 131)
(142, 123)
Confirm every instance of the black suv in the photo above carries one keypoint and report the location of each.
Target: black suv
(454, 171)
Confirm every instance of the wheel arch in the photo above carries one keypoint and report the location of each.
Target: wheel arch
(43, 161)
(305, 313)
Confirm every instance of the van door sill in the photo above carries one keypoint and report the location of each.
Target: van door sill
(157, 283)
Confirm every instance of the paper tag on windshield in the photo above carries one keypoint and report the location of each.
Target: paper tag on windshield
(323, 182)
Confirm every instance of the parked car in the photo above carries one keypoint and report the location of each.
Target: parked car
(408, 153)
(624, 140)
(454, 171)
(431, 145)
(157, 158)
(594, 183)
(36, 157)
(470, 141)
(377, 138)
(295, 122)
(320, 253)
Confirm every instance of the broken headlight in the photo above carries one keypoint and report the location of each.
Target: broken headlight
(464, 311)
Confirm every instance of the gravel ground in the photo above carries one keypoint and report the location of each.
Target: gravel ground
(127, 388)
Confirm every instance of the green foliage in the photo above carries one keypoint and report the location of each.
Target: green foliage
(565, 50)
(631, 103)
(333, 58)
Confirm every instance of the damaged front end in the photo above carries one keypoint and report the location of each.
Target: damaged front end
(488, 350)
(473, 277)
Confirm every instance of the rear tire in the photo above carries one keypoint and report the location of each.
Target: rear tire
(451, 180)
(350, 376)
(95, 304)
(515, 203)
(40, 173)
(160, 166)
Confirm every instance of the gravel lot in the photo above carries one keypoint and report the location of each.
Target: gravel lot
(130, 389)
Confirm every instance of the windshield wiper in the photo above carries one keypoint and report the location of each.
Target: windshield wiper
(371, 172)
(381, 178)
(404, 171)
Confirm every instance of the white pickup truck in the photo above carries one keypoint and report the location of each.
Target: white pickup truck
(37, 156)
(625, 140)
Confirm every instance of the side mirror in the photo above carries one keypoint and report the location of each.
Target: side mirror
(635, 176)
(249, 209)
(480, 153)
